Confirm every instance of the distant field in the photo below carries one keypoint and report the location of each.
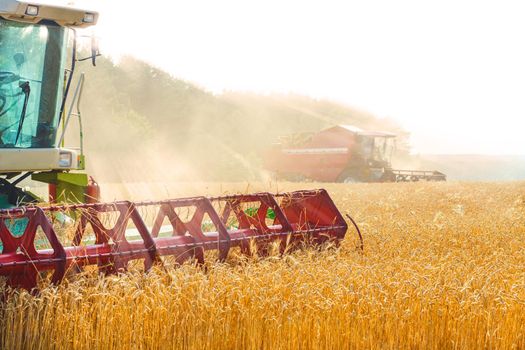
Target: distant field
(474, 167)
(443, 267)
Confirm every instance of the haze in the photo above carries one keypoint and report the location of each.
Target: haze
(451, 72)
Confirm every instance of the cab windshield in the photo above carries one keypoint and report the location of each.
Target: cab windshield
(383, 148)
(378, 148)
(31, 82)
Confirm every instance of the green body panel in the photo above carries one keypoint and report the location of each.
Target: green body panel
(70, 187)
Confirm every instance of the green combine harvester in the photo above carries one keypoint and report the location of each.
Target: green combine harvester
(38, 58)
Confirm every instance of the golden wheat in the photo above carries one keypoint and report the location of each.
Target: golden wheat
(443, 267)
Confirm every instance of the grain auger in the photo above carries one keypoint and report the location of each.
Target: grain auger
(111, 236)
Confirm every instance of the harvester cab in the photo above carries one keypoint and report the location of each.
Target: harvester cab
(373, 155)
(35, 83)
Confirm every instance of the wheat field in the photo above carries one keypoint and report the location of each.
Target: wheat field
(443, 267)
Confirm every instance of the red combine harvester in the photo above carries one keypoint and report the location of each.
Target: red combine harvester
(342, 153)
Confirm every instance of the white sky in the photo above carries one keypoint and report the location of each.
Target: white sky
(451, 72)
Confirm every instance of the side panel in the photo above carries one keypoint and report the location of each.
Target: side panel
(323, 158)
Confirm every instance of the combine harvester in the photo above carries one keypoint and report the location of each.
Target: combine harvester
(343, 153)
(64, 238)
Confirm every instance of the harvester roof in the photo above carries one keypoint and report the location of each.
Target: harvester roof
(361, 132)
(35, 12)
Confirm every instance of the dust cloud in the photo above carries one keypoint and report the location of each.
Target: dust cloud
(143, 125)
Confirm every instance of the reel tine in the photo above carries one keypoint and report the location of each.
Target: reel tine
(259, 220)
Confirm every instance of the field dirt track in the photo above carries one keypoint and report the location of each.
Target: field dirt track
(443, 267)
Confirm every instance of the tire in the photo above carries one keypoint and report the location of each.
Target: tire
(349, 180)
(348, 177)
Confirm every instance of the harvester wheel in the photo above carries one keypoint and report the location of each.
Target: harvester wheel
(348, 177)
(349, 180)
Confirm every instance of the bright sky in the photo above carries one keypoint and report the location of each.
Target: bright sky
(452, 72)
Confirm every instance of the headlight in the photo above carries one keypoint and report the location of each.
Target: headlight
(32, 10)
(64, 160)
(89, 18)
